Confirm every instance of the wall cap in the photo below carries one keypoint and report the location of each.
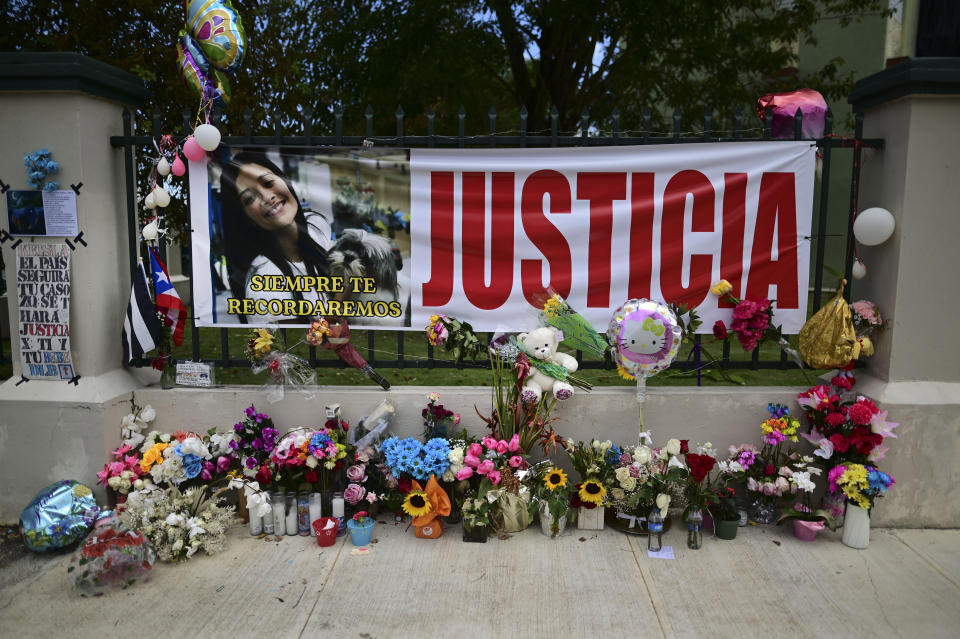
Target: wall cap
(917, 76)
(65, 71)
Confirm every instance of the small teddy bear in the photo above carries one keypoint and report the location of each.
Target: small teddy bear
(541, 344)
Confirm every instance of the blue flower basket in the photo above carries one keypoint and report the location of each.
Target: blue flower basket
(360, 535)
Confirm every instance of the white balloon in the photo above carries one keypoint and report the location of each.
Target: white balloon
(207, 136)
(149, 201)
(150, 231)
(161, 197)
(163, 167)
(859, 270)
(873, 226)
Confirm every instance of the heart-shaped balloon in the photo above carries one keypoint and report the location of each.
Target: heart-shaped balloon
(217, 28)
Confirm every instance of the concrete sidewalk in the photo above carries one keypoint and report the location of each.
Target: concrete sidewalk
(585, 584)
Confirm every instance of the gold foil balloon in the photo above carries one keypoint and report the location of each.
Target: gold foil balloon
(828, 340)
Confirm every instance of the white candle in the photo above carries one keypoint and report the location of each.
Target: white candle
(290, 504)
(315, 508)
(337, 508)
(279, 516)
(256, 525)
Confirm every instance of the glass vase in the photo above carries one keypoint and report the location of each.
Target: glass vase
(694, 529)
(475, 534)
(763, 512)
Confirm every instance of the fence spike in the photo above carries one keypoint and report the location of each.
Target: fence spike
(677, 115)
(368, 116)
(492, 116)
(338, 123)
(767, 121)
(646, 124)
(707, 120)
(461, 124)
(399, 115)
(308, 125)
(554, 118)
(615, 118)
(798, 124)
(430, 116)
(737, 123)
(828, 122)
(524, 114)
(584, 126)
(247, 124)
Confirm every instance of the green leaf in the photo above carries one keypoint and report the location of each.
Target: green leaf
(736, 379)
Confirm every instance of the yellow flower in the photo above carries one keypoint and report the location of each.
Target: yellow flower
(417, 503)
(434, 319)
(592, 492)
(81, 491)
(152, 456)
(263, 342)
(552, 307)
(622, 372)
(721, 288)
(555, 478)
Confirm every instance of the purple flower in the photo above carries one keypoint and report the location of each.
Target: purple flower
(251, 463)
(269, 433)
(234, 444)
(354, 493)
(223, 463)
(357, 473)
(251, 411)
(238, 427)
(257, 443)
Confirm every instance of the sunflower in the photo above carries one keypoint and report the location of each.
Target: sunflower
(592, 491)
(624, 373)
(417, 503)
(555, 478)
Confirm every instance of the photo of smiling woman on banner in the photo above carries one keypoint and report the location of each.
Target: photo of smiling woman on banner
(297, 234)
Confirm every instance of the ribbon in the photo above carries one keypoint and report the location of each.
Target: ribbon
(633, 519)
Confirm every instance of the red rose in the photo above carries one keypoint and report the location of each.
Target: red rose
(404, 485)
(769, 470)
(264, 476)
(840, 443)
(700, 465)
(311, 476)
(720, 330)
(684, 446)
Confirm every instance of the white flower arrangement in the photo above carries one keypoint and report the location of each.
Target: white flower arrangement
(179, 524)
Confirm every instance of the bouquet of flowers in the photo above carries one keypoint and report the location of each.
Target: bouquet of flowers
(175, 459)
(134, 423)
(284, 369)
(698, 489)
(866, 321)
(645, 477)
(845, 431)
(501, 465)
(591, 463)
(551, 494)
(800, 476)
(437, 420)
(477, 509)
(122, 472)
(110, 558)
(179, 524)
(455, 336)
(859, 483)
(309, 456)
(408, 458)
(255, 438)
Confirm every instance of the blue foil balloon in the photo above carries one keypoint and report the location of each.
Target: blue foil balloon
(216, 26)
(59, 515)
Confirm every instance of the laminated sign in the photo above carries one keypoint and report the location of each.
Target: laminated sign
(43, 294)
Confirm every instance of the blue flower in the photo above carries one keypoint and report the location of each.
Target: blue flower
(613, 455)
(777, 410)
(191, 464)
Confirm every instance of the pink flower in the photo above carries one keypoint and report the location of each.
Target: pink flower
(357, 473)
(371, 497)
(752, 485)
(118, 453)
(116, 468)
(485, 467)
(514, 444)
(475, 449)
(494, 476)
(490, 443)
(132, 462)
(103, 475)
(768, 489)
(782, 485)
(354, 493)
(464, 473)
(515, 461)
(223, 464)
(456, 419)
(502, 447)
(471, 461)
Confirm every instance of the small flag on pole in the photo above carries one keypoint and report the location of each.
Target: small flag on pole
(166, 298)
(141, 328)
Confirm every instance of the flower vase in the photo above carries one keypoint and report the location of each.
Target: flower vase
(168, 376)
(549, 526)
(856, 527)
(694, 521)
(807, 530)
(360, 534)
(726, 529)
(763, 512)
(475, 534)
(590, 518)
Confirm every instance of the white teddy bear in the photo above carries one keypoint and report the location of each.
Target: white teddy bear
(541, 344)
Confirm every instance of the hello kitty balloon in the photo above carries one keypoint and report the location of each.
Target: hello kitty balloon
(645, 336)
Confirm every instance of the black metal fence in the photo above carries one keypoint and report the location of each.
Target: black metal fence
(589, 134)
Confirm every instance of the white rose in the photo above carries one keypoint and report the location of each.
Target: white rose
(178, 545)
(311, 461)
(673, 447)
(448, 475)
(641, 454)
(114, 482)
(663, 502)
(617, 493)
(456, 456)
(629, 483)
(622, 473)
(147, 414)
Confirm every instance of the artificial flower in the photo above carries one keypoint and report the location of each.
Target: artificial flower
(663, 502)
(720, 330)
(721, 288)
(263, 342)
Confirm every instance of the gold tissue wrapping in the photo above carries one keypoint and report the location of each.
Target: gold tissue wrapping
(828, 340)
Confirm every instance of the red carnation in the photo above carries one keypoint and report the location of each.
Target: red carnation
(684, 446)
(720, 330)
(842, 381)
(264, 476)
(840, 443)
(859, 414)
(769, 470)
(404, 485)
(311, 476)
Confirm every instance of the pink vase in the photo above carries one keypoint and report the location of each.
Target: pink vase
(807, 530)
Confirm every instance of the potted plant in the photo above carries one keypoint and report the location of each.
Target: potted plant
(722, 504)
(551, 498)
(642, 478)
(807, 522)
(361, 528)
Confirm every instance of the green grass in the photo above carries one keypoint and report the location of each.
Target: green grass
(416, 372)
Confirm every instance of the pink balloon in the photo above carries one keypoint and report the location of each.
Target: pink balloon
(193, 151)
(178, 168)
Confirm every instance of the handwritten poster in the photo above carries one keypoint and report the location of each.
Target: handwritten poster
(43, 293)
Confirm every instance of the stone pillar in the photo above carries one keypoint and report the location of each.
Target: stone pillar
(914, 278)
(71, 105)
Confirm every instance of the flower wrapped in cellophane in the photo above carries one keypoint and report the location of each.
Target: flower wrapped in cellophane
(110, 558)
(283, 369)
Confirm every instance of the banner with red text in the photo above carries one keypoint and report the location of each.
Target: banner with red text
(388, 237)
